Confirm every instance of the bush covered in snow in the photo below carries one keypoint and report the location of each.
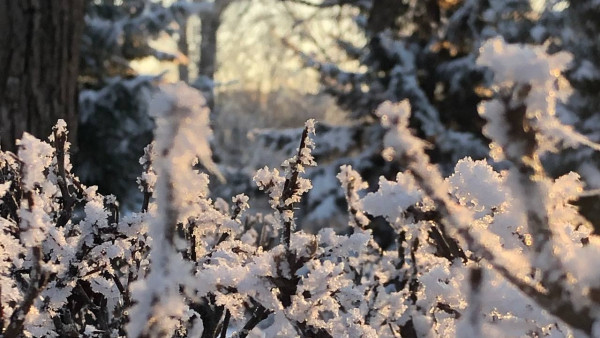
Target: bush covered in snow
(481, 253)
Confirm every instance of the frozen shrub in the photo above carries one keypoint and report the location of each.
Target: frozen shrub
(481, 253)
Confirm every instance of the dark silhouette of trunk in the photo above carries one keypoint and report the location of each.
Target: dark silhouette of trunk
(184, 49)
(209, 25)
(207, 65)
(39, 61)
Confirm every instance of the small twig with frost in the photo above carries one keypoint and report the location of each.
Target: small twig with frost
(291, 188)
(37, 282)
(60, 139)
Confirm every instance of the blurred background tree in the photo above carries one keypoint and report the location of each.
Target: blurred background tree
(114, 94)
(268, 65)
(423, 51)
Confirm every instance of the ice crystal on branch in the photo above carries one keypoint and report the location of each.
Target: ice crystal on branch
(285, 191)
(527, 78)
(352, 183)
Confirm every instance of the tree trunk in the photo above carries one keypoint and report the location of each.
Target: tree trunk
(209, 25)
(39, 61)
(182, 44)
(207, 65)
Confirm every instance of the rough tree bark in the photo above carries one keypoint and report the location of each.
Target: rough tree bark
(39, 61)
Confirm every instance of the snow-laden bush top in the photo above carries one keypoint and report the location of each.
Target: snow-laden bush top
(480, 253)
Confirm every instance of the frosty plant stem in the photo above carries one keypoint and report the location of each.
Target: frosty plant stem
(529, 174)
(35, 155)
(290, 188)
(147, 180)
(38, 281)
(60, 141)
(285, 192)
(181, 142)
(352, 183)
(555, 298)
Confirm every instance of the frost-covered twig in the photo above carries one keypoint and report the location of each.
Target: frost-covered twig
(285, 193)
(458, 219)
(37, 282)
(352, 183)
(292, 188)
(522, 124)
(181, 117)
(60, 144)
(148, 179)
(521, 150)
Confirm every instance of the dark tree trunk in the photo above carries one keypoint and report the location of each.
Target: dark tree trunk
(208, 55)
(207, 65)
(39, 61)
(184, 49)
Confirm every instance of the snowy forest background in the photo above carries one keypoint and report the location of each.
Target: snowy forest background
(313, 168)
